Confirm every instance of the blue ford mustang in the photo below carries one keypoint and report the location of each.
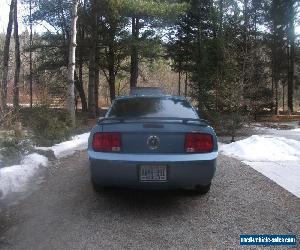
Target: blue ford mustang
(152, 141)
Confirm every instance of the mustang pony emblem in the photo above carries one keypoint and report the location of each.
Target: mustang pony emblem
(153, 142)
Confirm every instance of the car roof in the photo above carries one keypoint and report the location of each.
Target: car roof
(146, 91)
(151, 96)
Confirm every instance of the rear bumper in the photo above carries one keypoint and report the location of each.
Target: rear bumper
(113, 169)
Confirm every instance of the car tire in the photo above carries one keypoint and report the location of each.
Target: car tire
(202, 189)
(97, 188)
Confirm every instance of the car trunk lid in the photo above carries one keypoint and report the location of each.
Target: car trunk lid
(153, 137)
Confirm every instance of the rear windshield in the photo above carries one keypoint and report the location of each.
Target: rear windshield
(152, 107)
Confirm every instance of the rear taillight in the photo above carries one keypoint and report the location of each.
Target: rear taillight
(198, 143)
(107, 142)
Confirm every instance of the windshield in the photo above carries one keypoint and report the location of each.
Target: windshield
(152, 107)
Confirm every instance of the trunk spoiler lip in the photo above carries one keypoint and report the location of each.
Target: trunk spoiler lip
(110, 120)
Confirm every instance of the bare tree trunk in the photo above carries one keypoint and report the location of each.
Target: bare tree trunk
(185, 84)
(3, 104)
(91, 86)
(96, 90)
(273, 80)
(220, 68)
(274, 73)
(71, 66)
(245, 46)
(111, 73)
(134, 64)
(291, 56)
(221, 17)
(283, 97)
(291, 77)
(179, 82)
(79, 87)
(17, 58)
(92, 63)
(97, 66)
(276, 96)
(30, 55)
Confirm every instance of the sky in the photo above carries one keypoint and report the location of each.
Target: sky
(22, 12)
(4, 11)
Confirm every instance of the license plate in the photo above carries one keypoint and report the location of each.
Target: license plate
(153, 173)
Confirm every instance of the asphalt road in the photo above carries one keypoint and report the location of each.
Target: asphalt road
(65, 213)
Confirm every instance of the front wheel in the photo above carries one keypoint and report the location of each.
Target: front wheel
(202, 189)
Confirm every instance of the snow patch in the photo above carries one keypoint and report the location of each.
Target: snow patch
(278, 158)
(16, 178)
(77, 143)
(263, 148)
(285, 174)
(35, 159)
(296, 130)
(63, 149)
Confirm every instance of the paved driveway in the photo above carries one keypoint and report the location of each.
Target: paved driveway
(65, 213)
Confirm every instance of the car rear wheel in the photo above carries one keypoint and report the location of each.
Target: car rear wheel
(202, 189)
(97, 188)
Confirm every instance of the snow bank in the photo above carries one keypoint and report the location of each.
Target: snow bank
(15, 178)
(278, 158)
(263, 148)
(296, 130)
(77, 143)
